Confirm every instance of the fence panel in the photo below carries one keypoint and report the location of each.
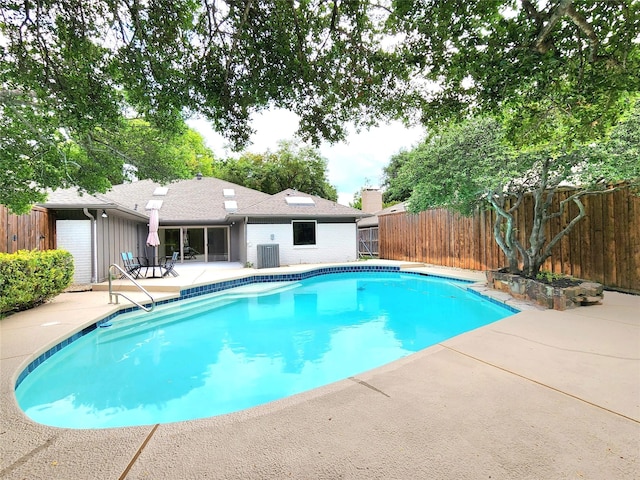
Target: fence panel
(604, 246)
(35, 231)
(368, 241)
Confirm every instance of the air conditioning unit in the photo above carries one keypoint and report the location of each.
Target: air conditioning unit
(268, 256)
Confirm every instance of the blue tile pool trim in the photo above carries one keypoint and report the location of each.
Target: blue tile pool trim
(225, 285)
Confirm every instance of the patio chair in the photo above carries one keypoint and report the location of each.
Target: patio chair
(131, 265)
(169, 264)
(190, 253)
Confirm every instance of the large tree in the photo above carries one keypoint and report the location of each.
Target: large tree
(70, 70)
(155, 153)
(524, 58)
(471, 165)
(290, 166)
(36, 154)
(394, 189)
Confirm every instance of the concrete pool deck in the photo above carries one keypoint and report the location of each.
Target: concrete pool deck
(537, 395)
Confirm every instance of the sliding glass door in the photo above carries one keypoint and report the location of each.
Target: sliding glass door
(201, 244)
(218, 244)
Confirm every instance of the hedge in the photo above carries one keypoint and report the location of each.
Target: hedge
(29, 278)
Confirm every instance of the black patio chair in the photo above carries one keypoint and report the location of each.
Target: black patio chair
(190, 253)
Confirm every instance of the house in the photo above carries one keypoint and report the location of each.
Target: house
(307, 229)
(204, 219)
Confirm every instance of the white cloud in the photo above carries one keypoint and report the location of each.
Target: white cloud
(351, 164)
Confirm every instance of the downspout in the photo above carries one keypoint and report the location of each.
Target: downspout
(94, 247)
(246, 248)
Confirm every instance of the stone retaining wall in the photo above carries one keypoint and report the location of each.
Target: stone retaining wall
(557, 298)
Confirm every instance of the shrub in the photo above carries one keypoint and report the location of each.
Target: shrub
(29, 278)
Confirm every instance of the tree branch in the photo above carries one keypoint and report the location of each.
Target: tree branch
(587, 29)
(504, 240)
(299, 36)
(236, 39)
(539, 17)
(514, 207)
(575, 199)
(16, 97)
(564, 8)
(542, 43)
(112, 149)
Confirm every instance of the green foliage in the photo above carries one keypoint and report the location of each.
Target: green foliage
(396, 188)
(454, 167)
(33, 160)
(156, 154)
(577, 60)
(290, 166)
(549, 277)
(72, 70)
(357, 201)
(29, 278)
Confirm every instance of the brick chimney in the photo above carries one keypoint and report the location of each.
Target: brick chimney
(371, 200)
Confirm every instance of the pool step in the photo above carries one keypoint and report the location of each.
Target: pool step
(134, 322)
(258, 289)
(142, 321)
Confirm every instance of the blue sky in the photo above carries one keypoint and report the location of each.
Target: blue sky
(351, 164)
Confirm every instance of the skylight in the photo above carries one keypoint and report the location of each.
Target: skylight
(160, 191)
(230, 205)
(228, 192)
(300, 201)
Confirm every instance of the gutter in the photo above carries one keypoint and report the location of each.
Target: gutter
(94, 246)
(140, 215)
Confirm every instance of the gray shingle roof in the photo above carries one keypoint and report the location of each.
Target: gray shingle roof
(186, 201)
(201, 201)
(277, 206)
(72, 198)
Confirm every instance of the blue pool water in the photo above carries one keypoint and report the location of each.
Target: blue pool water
(229, 351)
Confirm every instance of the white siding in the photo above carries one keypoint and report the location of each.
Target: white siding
(75, 237)
(335, 242)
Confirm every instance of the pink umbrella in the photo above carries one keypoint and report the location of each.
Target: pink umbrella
(154, 221)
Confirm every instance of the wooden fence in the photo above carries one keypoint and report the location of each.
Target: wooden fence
(35, 231)
(604, 246)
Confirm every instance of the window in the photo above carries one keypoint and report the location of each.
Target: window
(304, 232)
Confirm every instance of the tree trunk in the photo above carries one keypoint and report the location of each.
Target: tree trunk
(504, 232)
(537, 238)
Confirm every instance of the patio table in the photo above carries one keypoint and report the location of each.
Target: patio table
(153, 263)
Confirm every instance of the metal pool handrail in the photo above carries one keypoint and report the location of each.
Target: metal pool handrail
(116, 294)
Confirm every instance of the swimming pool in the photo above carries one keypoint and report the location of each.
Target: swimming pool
(245, 346)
